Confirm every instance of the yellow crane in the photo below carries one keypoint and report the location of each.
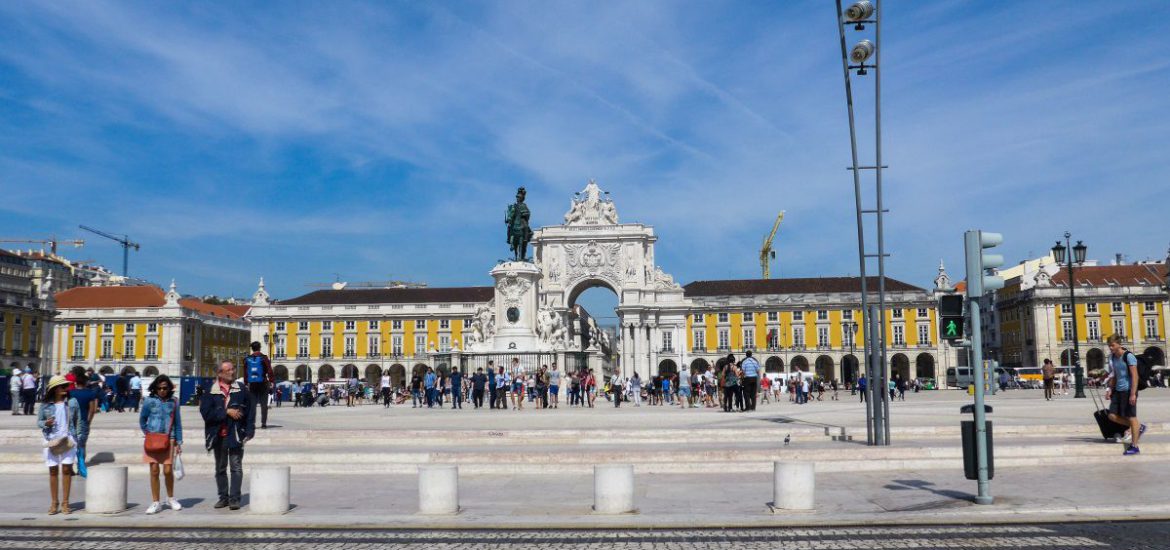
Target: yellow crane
(767, 253)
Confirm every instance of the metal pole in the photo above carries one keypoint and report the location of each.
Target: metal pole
(881, 243)
(869, 410)
(1072, 299)
(876, 388)
(984, 496)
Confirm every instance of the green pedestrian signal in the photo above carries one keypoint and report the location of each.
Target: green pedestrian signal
(952, 328)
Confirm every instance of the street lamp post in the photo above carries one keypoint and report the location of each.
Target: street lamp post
(852, 339)
(1060, 253)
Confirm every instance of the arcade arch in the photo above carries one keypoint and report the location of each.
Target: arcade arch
(824, 368)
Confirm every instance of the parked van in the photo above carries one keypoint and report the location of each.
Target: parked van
(960, 377)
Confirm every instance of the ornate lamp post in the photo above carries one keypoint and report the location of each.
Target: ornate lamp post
(1060, 253)
(853, 338)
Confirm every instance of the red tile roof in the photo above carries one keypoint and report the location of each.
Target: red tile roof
(1120, 275)
(91, 297)
(240, 310)
(208, 309)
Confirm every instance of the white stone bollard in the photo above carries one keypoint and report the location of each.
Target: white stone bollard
(438, 489)
(269, 490)
(793, 486)
(105, 490)
(613, 489)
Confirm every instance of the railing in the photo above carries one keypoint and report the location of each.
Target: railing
(373, 355)
(111, 357)
(302, 356)
(71, 357)
(666, 350)
(151, 357)
(349, 355)
(17, 352)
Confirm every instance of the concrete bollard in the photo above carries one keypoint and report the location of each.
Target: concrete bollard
(613, 489)
(438, 489)
(269, 490)
(793, 486)
(105, 490)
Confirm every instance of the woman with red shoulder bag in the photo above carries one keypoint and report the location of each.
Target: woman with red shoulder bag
(161, 423)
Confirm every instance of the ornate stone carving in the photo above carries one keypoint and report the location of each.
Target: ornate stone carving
(593, 260)
(260, 298)
(483, 326)
(551, 328)
(512, 288)
(589, 208)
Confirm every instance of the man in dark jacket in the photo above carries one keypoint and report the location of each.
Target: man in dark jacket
(259, 388)
(229, 421)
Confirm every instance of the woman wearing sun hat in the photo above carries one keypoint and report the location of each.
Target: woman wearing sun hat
(58, 420)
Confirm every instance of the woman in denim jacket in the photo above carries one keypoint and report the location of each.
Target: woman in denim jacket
(155, 417)
(58, 418)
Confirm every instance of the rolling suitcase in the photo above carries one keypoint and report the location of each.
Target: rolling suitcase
(1109, 429)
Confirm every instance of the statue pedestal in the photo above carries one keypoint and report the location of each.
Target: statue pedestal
(516, 306)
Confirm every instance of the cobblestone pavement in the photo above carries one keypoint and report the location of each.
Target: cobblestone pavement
(1105, 535)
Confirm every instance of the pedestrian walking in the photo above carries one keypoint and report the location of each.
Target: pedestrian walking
(161, 423)
(229, 421)
(14, 386)
(1122, 392)
(456, 388)
(385, 390)
(86, 396)
(861, 386)
(730, 383)
(1049, 374)
(503, 385)
(258, 375)
(685, 399)
(765, 386)
(429, 382)
(57, 419)
(751, 380)
(134, 386)
(636, 389)
(28, 391)
(554, 385)
(589, 384)
(478, 382)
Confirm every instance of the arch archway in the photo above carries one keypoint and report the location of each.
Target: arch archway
(1066, 358)
(900, 366)
(280, 372)
(774, 365)
(799, 363)
(326, 373)
(150, 371)
(825, 368)
(924, 366)
(1094, 359)
(419, 369)
(349, 371)
(850, 369)
(304, 373)
(666, 366)
(397, 375)
(1156, 356)
(373, 375)
(592, 301)
(700, 365)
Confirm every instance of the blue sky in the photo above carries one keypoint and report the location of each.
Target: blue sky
(300, 140)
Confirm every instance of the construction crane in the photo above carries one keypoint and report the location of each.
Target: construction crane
(767, 254)
(51, 241)
(126, 246)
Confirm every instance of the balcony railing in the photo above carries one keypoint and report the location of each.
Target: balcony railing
(76, 357)
(302, 356)
(17, 352)
(349, 355)
(667, 349)
(373, 355)
(150, 357)
(111, 357)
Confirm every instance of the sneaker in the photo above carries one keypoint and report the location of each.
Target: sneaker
(222, 503)
(1132, 451)
(234, 505)
(155, 507)
(1127, 438)
(1142, 430)
(174, 505)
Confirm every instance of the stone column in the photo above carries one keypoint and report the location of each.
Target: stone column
(655, 341)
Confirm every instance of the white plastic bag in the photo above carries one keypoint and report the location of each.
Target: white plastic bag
(177, 466)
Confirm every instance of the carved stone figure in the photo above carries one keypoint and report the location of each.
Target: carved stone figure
(482, 326)
(519, 233)
(588, 207)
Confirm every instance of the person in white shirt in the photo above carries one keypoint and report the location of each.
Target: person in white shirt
(14, 386)
(384, 387)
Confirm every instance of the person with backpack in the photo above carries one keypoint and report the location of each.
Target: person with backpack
(258, 374)
(1122, 392)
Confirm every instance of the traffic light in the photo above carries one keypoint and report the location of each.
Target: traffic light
(978, 262)
(950, 312)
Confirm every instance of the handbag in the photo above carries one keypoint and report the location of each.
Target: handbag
(60, 445)
(160, 442)
(177, 467)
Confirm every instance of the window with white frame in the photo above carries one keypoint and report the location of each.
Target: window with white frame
(467, 323)
(773, 316)
(697, 318)
(1094, 329)
(749, 317)
(924, 335)
(723, 317)
(797, 316)
(107, 348)
(749, 338)
(1091, 307)
(444, 324)
(1067, 327)
(699, 337)
(372, 325)
(724, 338)
(303, 346)
(466, 337)
(1119, 327)
(129, 329)
(822, 336)
(351, 325)
(326, 325)
(922, 312)
(326, 346)
(16, 319)
(420, 324)
(152, 347)
(444, 342)
(396, 344)
(1151, 328)
(798, 337)
(303, 326)
(420, 344)
(1065, 309)
(79, 327)
(278, 346)
(280, 326)
(107, 328)
(896, 313)
(396, 324)
(1150, 308)
(350, 346)
(847, 314)
(666, 340)
(79, 347)
(374, 345)
(899, 335)
(1117, 308)
(128, 348)
(822, 315)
